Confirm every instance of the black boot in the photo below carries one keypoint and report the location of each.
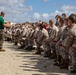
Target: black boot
(58, 64)
(73, 71)
(58, 61)
(52, 57)
(66, 64)
(15, 43)
(61, 63)
(46, 54)
(49, 54)
(27, 48)
(21, 47)
(38, 51)
(54, 54)
(55, 60)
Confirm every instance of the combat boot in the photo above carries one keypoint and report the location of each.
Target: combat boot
(15, 43)
(66, 64)
(73, 71)
(38, 51)
(46, 54)
(58, 60)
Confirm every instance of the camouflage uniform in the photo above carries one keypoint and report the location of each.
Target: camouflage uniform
(64, 51)
(13, 36)
(17, 35)
(23, 36)
(40, 38)
(49, 45)
(71, 45)
(28, 32)
(58, 38)
(67, 47)
(9, 35)
(30, 38)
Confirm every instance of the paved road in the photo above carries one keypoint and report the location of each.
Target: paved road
(19, 62)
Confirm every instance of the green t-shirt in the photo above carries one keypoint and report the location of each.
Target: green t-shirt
(1, 22)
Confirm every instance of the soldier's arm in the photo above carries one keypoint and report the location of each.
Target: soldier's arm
(7, 24)
(56, 36)
(74, 42)
(69, 41)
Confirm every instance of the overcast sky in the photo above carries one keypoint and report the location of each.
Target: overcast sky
(35, 10)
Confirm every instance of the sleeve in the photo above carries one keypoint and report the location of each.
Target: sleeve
(69, 40)
(57, 37)
(2, 20)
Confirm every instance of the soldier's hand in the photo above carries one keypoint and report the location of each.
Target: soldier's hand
(7, 25)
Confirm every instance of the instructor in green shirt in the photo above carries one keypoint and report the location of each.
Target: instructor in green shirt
(2, 25)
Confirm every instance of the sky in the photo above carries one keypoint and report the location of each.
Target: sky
(20, 11)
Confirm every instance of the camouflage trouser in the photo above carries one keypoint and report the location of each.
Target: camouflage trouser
(1, 37)
(64, 52)
(46, 46)
(72, 52)
(16, 39)
(57, 49)
(30, 42)
(52, 46)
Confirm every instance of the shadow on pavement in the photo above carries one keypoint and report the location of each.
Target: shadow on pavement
(37, 63)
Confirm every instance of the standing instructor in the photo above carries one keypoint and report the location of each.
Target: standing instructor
(2, 25)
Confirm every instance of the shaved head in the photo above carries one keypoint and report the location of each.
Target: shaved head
(2, 13)
(51, 22)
